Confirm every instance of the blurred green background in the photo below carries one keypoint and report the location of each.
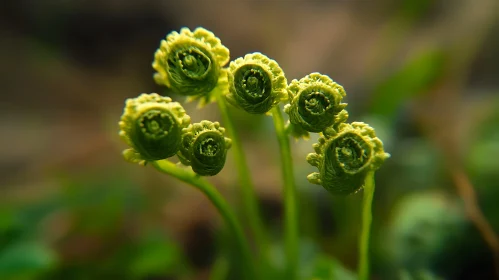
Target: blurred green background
(424, 73)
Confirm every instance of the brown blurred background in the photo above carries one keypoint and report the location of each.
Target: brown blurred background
(424, 73)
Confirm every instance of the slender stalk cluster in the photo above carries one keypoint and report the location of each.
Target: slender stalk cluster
(191, 63)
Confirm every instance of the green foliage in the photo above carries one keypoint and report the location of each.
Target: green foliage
(415, 8)
(26, 260)
(419, 275)
(23, 254)
(156, 255)
(412, 79)
(105, 205)
(485, 147)
(315, 265)
(417, 234)
(326, 268)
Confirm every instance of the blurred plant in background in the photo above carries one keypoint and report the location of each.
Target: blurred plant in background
(424, 73)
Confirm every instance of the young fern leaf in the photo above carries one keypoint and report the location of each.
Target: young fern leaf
(205, 99)
(256, 83)
(152, 126)
(189, 62)
(345, 156)
(204, 147)
(315, 102)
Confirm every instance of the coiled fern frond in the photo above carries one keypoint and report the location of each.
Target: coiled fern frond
(315, 102)
(190, 62)
(344, 157)
(152, 125)
(256, 83)
(204, 147)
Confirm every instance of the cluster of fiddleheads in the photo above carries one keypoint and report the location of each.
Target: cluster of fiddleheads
(191, 63)
(345, 152)
(156, 128)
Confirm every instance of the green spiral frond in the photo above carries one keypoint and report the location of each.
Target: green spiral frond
(344, 157)
(315, 102)
(204, 147)
(205, 99)
(256, 83)
(152, 126)
(190, 62)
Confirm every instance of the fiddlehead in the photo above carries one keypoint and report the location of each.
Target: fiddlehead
(204, 147)
(190, 62)
(315, 102)
(151, 125)
(256, 83)
(344, 157)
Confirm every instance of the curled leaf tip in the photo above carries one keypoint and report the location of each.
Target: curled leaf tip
(151, 125)
(344, 158)
(315, 103)
(190, 62)
(204, 147)
(256, 83)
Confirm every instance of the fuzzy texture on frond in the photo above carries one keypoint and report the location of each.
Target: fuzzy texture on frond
(345, 156)
(190, 62)
(256, 83)
(204, 147)
(152, 126)
(315, 102)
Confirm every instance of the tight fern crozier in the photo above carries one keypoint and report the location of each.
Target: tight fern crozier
(315, 102)
(152, 125)
(204, 147)
(256, 83)
(344, 158)
(190, 62)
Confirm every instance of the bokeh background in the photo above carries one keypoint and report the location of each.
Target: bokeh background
(424, 73)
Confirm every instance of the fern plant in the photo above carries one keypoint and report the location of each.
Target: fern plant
(191, 63)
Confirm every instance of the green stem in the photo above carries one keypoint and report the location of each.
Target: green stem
(366, 226)
(249, 197)
(219, 202)
(290, 206)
